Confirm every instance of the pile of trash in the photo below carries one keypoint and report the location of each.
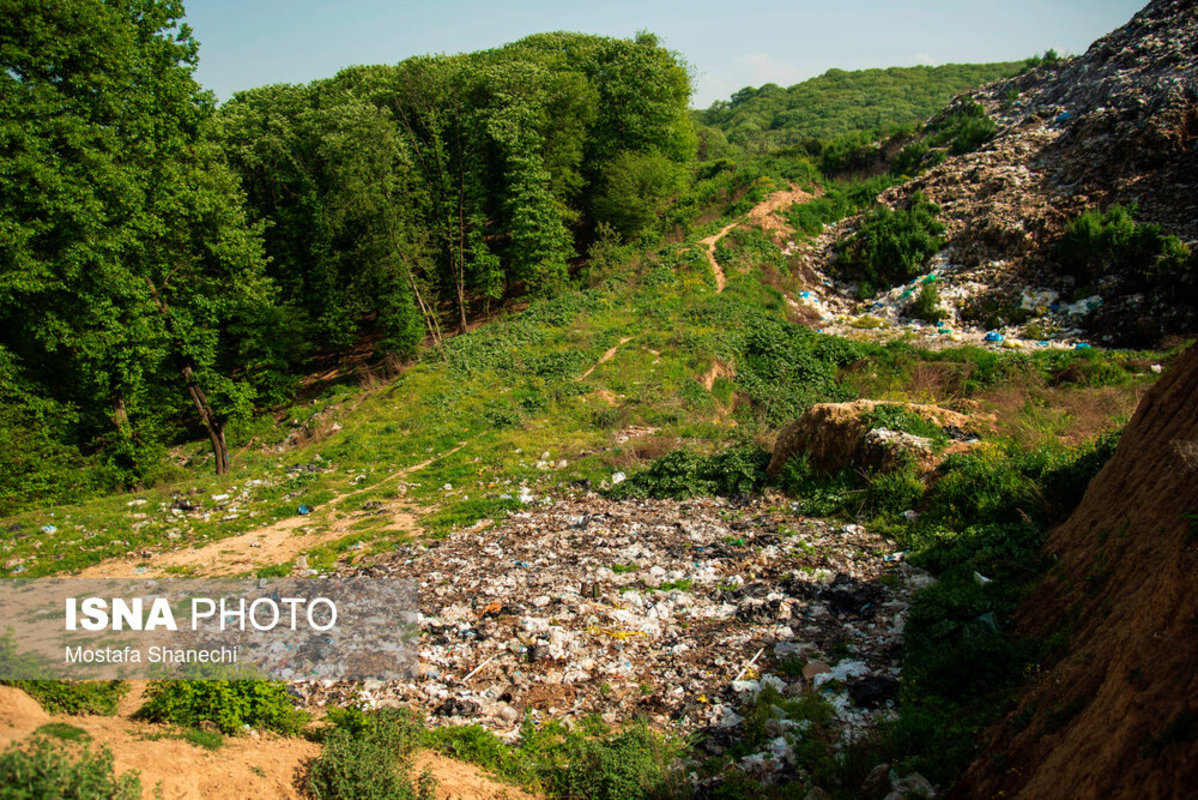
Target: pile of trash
(1114, 125)
(681, 612)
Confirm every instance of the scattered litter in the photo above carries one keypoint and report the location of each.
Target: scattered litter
(532, 611)
(993, 336)
(49, 529)
(304, 510)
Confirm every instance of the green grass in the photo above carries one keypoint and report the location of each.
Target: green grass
(64, 731)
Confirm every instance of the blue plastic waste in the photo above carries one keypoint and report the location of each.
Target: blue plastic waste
(1064, 116)
(49, 529)
(304, 510)
(993, 336)
(1081, 346)
(1042, 343)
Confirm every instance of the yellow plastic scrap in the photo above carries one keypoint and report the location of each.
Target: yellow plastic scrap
(617, 635)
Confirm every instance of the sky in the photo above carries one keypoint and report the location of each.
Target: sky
(729, 44)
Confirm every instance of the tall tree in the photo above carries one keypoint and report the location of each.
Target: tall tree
(126, 256)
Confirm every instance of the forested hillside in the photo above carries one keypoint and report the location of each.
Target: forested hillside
(169, 268)
(840, 102)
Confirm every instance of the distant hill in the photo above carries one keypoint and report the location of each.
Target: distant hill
(839, 102)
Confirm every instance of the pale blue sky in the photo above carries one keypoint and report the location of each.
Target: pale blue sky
(729, 43)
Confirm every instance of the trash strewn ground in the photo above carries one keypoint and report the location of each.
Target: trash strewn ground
(675, 611)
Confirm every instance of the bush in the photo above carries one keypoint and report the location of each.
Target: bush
(229, 705)
(633, 764)
(891, 247)
(1100, 244)
(86, 697)
(41, 769)
(963, 127)
(926, 305)
(680, 474)
(366, 757)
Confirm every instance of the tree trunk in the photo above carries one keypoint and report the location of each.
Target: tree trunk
(212, 423)
(214, 426)
(120, 416)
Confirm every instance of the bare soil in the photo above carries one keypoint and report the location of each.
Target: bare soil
(1117, 716)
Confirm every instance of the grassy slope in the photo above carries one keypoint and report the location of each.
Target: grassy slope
(503, 396)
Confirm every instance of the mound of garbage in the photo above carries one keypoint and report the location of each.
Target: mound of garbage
(682, 612)
(1116, 125)
(1117, 716)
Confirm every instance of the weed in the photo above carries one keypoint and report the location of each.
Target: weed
(926, 305)
(64, 731)
(366, 756)
(228, 704)
(85, 697)
(40, 767)
(681, 474)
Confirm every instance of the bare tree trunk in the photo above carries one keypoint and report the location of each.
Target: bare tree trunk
(215, 428)
(430, 319)
(212, 423)
(120, 416)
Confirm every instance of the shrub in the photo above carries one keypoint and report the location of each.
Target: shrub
(366, 757)
(891, 247)
(635, 763)
(228, 704)
(86, 697)
(1099, 244)
(680, 474)
(963, 127)
(42, 769)
(926, 305)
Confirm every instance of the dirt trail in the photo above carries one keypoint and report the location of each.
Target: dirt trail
(766, 213)
(273, 544)
(763, 215)
(611, 352)
(710, 242)
(243, 767)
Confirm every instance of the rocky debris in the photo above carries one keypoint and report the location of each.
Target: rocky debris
(834, 436)
(681, 612)
(1115, 125)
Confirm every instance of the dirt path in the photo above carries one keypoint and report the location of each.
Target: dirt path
(710, 242)
(611, 352)
(763, 215)
(766, 213)
(273, 544)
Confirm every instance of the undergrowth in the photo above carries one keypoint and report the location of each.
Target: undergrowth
(230, 705)
(43, 768)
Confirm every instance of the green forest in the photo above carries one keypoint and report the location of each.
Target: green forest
(839, 102)
(172, 267)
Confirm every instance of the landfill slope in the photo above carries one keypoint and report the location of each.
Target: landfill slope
(1117, 717)
(1117, 125)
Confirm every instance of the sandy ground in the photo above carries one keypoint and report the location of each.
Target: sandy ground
(265, 766)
